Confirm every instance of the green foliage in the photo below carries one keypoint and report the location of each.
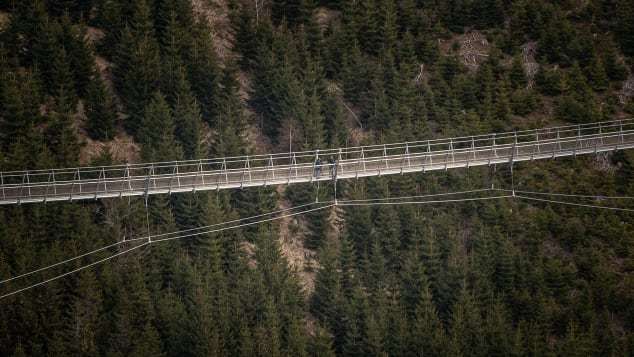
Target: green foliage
(101, 113)
(625, 26)
(137, 69)
(156, 132)
(490, 278)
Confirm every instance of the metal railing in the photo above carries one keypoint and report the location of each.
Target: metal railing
(285, 168)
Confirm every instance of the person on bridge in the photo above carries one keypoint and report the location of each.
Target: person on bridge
(317, 167)
(332, 163)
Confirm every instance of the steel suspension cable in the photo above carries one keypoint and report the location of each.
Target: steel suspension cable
(369, 203)
(420, 196)
(599, 197)
(574, 204)
(152, 241)
(129, 240)
(64, 261)
(57, 277)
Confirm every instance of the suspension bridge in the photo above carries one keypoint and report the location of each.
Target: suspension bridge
(84, 183)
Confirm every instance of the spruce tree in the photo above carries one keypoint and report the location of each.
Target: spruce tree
(82, 324)
(19, 111)
(156, 132)
(326, 299)
(517, 74)
(137, 65)
(335, 122)
(187, 119)
(428, 333)
(597, 75)
(82, 59)
(61, 136)
(321, 344)
(101, 112)
(625, 26)
(62, 80)
(503, 102)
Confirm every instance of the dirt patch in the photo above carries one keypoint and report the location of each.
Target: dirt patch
(4, 20)
(324, 17)
(122, 148)
(257, 141)
(249, 250)
(94, 35)
(245, 85)
(473, 48)
(531, 67)
(216, 14)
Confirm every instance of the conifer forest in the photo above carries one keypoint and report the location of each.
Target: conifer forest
(104, 82)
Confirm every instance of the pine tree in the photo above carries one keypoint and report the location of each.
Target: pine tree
(230, 122)
(83, 320)
(334, 122)
(321, 344)
(597, 75)
(62, 80)
(295, 339)
(347, 259)
(504, 271)
(326, 299)
(149, 343)
(498, 330)
(408, 18)
(625, 26)
(466, 324)
(614, 66)
(353, 344)
(370, 26)
(61, 136)
(190, 212)
(313, 123)
(137, 65)
(82, 59)
(19, 111)
(517, 74)
(389, 29)
(503, 102)
(187, 119)
(488, 13)
(101, 112)
(431, 259)
(156, 132)
(387, 233)
(428, 335)
(267, 334)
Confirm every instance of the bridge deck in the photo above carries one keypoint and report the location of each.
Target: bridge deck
(287, 168)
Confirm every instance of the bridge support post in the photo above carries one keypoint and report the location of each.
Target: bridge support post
(313, 175)
(512, 164)
(48, 185)
(577, 140)
(127, 175)
(4, 195)
(601, 134)
(621, 133)
(387, 165)
(200, 172)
